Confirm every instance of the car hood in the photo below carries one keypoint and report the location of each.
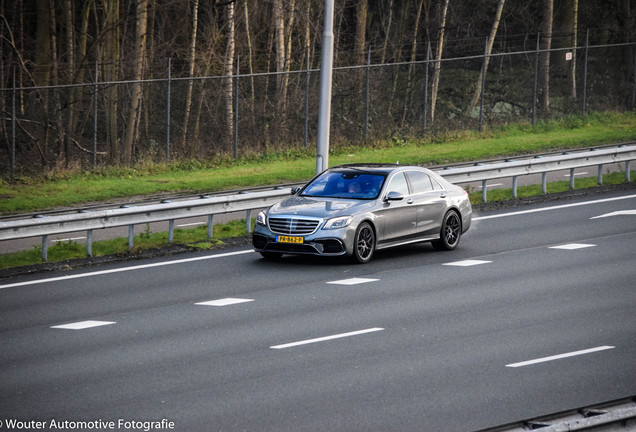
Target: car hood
(325, 208)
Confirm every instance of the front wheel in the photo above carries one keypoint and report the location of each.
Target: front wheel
(364, 244)
(450, 233)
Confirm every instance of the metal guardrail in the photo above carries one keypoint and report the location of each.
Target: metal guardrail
(130, 216)
(618, 415)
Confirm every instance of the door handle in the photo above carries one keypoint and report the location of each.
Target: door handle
(443, 195)
(409, 201)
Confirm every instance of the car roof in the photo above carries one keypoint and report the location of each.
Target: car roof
(383, 168)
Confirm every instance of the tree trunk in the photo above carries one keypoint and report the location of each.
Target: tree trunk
(491, 41)
(110, 62)
(192, 58)
(575, 30)
(438, 57)
(279, 38)
(544, 60)
(413, 58)
(136, 90)
(361, 31)
(229, 72)
(387, 33)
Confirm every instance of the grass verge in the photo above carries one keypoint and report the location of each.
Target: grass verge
(73, 188)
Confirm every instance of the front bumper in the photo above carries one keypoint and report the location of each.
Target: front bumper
(323, 242)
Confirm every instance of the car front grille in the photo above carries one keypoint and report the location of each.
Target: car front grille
(292, 225)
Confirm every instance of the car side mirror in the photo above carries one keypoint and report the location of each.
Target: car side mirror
(295, 190)
(394, 196)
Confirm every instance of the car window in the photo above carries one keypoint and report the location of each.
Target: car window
(345, 184)
(420, 182)
(436, 184)
(398, 184)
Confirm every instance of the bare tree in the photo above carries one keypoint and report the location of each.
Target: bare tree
(135, 103)
(191, 63)
(438, 57)
(229, 71)
(544, 67)
(491, 40)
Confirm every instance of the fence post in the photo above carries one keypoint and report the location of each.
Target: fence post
(13, 126)
(306, 134)
(95, 115)
(236, 95)
(428, 58)
(168, 110)
(587, 43)
(634, 83)
(367, 97)
(536, 77)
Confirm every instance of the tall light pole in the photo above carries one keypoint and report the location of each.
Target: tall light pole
(324, 104)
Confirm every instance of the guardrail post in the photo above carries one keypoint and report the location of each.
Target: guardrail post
(483, 191)
(544, 189)
(599, 177)
(627, 173)
(248, 221)
(45, 242)
(89, 243)
(170, 231)
(210, 227)
(131, 236)
(572, 178)
(514, 186)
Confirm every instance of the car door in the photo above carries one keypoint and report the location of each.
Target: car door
(429, 202)
(399, 214)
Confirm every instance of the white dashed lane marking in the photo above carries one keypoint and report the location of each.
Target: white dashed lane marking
(559, 356)
(467, 263)
(327, 338)
(572, 246)
(352, 281)
(224, 302)
(82, 325)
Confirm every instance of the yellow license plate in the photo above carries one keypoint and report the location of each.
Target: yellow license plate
(289, 239)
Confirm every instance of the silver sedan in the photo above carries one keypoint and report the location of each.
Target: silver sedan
(354, 210)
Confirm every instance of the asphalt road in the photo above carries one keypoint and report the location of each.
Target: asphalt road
(504, 328)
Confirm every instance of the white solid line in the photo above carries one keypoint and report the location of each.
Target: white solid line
(327, 338)
(576, 174)
(559, 356)
(522, 212)
(124, 269)
(191, 224)
(616, 213)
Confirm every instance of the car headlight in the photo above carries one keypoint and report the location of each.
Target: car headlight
(339, 222)
(261, 218)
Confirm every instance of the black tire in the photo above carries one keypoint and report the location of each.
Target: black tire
(271, 256)
(363, 244)
(450, 233)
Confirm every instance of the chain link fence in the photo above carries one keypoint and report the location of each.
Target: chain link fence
(83, 125)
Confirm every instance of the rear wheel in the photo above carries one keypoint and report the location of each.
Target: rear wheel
(364, 244)
(450, 233)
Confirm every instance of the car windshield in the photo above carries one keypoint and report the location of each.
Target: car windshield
(345, 184)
